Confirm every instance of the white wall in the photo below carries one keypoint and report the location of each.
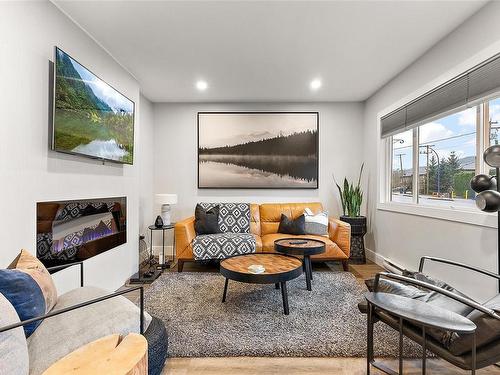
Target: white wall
(404, 238)
(29, 172)
(340, 130)
(146, 165)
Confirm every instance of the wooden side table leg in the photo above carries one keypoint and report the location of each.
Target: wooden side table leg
(225, 290)
(284, 294)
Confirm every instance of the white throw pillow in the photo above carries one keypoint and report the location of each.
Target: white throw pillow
(316, 224)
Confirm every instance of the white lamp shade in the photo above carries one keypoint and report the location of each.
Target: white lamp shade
(166, 198)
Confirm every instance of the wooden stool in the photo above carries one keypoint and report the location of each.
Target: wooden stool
(109, 355)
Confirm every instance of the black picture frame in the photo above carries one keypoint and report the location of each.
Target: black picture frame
(316, 186)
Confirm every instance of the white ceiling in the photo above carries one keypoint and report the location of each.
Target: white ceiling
(266, 51)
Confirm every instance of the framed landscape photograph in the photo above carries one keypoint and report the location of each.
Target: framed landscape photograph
(258, 150)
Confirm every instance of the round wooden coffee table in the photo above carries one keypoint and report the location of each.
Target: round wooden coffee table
(301, 246)
(279, 269)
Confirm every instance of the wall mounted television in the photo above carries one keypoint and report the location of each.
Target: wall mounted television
(90, 117)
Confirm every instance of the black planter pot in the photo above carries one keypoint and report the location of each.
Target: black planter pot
(358, 231)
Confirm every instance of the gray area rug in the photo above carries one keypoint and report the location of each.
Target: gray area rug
(322, 323)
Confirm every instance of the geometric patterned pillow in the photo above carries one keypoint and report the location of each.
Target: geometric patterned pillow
(233, 217)
(28, 286)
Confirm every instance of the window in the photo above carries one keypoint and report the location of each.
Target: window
(447, 160)
(446, 151)
(402, 167)
(493, 116)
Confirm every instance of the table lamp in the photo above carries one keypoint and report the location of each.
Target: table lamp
(166, 200)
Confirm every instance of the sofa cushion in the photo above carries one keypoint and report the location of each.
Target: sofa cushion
(222, 245)
(28, 286)
(292, 226)
(331, 248)
(13, 347)
(61, 334)
(258, 243)
(233, 217)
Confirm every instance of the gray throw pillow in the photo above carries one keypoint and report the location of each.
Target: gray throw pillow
(13, 347)
(316, 224)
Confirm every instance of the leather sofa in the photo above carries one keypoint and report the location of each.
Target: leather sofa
(264, 222)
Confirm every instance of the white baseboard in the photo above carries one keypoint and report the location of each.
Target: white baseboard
(381, 260)
(374, 257)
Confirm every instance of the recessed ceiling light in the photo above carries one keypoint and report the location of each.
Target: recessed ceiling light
(201, 85)
(315, 84)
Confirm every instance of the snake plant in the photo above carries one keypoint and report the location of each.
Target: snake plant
(351, 196)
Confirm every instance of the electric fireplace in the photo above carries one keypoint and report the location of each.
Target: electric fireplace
(69, 231)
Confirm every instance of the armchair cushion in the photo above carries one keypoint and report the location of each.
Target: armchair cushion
(437, 298)
(488, 329)
(13, 347)
(445, 338)
(64, 333)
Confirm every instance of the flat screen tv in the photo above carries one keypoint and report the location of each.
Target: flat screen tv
(90, 117)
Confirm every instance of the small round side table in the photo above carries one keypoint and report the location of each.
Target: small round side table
(152, 228)
(301, 246)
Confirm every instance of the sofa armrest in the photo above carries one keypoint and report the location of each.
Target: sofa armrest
(184, 235)
(340, 233)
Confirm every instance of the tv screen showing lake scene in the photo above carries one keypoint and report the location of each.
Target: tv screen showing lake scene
(91, 118)
(258, 150)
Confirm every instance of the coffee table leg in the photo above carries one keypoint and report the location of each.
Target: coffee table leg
(285, 297)
(308, 272)
(277, 286)
(310, 267)
(225, 291)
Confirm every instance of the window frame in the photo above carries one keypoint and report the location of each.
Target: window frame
(451, 213)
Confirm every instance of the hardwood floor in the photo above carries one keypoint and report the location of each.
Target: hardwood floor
(302, 366)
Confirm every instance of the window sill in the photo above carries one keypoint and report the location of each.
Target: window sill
(473, 217)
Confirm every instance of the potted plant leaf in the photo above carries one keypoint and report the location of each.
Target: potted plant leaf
(351, 197)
